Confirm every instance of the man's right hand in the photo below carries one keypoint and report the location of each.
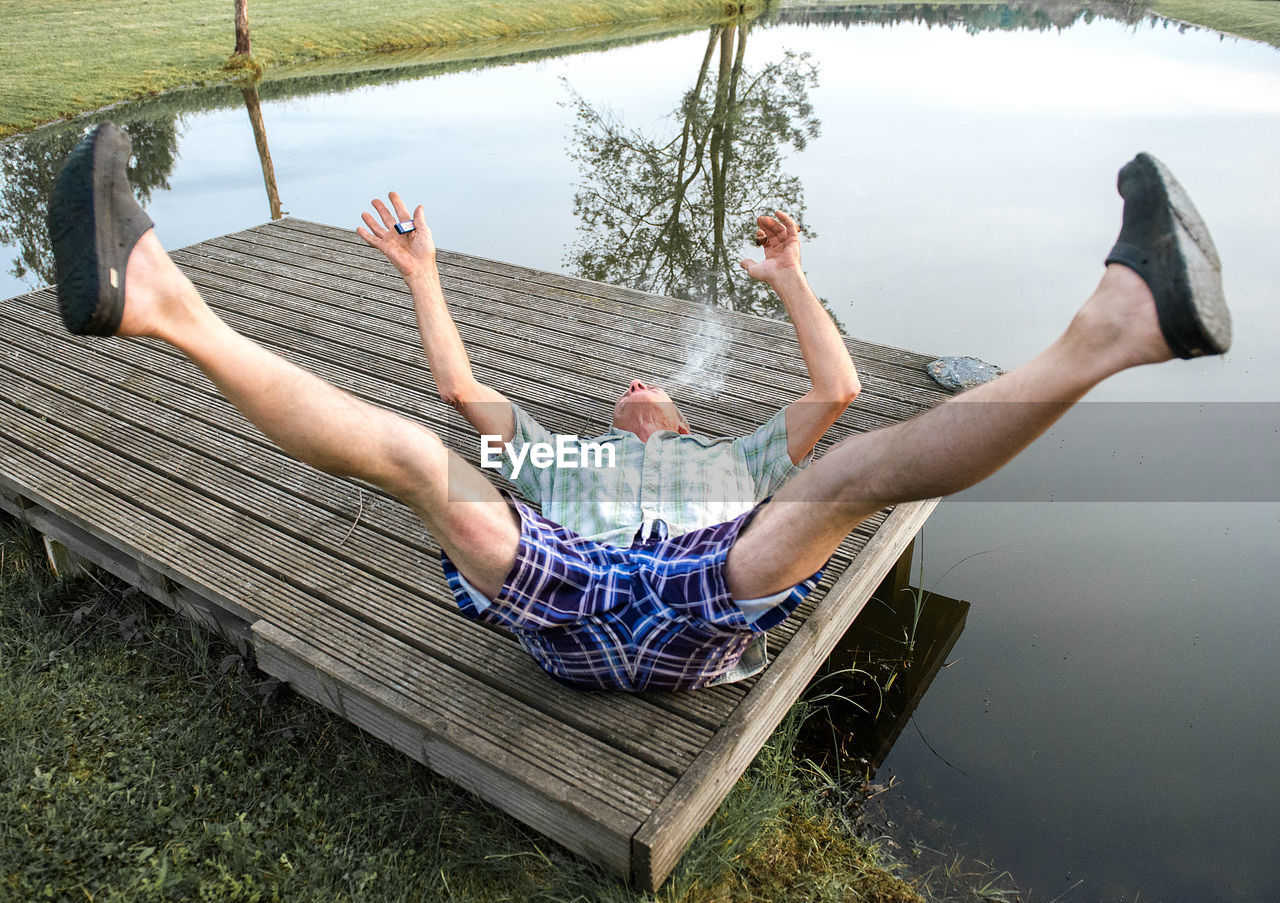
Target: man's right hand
(412, 253)
(779, 236)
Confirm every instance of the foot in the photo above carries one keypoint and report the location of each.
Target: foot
(1165, 242)
(1118, 326)
(160, 300)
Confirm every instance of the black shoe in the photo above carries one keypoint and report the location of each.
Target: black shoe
(94, 222)
(1164, 240)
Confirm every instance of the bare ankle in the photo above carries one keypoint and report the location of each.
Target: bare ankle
(1118, 324)
(159, 298)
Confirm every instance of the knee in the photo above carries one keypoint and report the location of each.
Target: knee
(412, 456)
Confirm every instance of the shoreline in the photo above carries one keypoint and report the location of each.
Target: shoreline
(81, 57)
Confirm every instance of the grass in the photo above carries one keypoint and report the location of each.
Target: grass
(143, 759)
(63, 57)
(68, 56)
(1258, 20)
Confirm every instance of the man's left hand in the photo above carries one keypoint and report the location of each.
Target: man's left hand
(413, 253)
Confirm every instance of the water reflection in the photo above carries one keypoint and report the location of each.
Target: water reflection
(666, 216)
(670, 214)
(870, 686)
(1038, 15)
(254, 106)
(30, 166)
(860, 704)
(31, 162)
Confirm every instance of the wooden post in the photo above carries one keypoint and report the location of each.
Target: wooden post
(63, 561)
(899, 577)
(242, 27)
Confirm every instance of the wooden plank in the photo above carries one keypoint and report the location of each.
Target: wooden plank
(653, 342)
(521, 383)
(468, 713)
(541, 370)
(762, 330)
(508, 299)
(285, 540)
(493, 774)
(87, 545)
(705, 711)
(837, 428)
(554, 378)
(384, 397)
(150, 581)
(191, 425)
(555, 311)
(330, 529)
(672, 706)
(661, 841)
(189, 411)
(837, 431)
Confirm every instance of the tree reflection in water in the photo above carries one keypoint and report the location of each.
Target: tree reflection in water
(29, 167)
(672, 216)
(254, 107)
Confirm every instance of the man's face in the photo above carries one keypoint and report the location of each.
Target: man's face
(644, 409)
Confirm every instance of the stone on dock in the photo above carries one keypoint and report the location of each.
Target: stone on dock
(960, 373)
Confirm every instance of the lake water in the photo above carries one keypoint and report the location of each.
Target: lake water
(1103, 728)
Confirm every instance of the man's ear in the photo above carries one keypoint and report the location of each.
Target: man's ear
(684, 426)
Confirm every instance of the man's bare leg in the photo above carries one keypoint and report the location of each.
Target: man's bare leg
(324, 426)
(946, 449)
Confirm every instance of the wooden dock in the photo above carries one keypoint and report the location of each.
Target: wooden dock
(124, 453)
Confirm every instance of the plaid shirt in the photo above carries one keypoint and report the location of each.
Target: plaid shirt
(619, 583)
(687, 481)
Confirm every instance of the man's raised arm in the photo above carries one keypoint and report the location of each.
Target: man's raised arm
(831, 371)
(413, 253)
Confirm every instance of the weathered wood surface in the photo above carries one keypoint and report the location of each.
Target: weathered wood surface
(123, 452)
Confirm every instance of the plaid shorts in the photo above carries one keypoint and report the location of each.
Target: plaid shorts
(654, 616)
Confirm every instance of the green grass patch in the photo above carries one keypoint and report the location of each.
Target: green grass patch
(64, 57)
(1258, 20)
(143, 759)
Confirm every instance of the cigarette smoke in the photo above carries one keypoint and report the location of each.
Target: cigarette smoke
(705, 362)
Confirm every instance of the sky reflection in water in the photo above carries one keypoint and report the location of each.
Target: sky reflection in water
(1111, 699)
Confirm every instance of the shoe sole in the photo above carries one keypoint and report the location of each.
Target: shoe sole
(1179, 262)
(1208, 303)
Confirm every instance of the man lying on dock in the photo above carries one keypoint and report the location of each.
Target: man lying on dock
(663, 572)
